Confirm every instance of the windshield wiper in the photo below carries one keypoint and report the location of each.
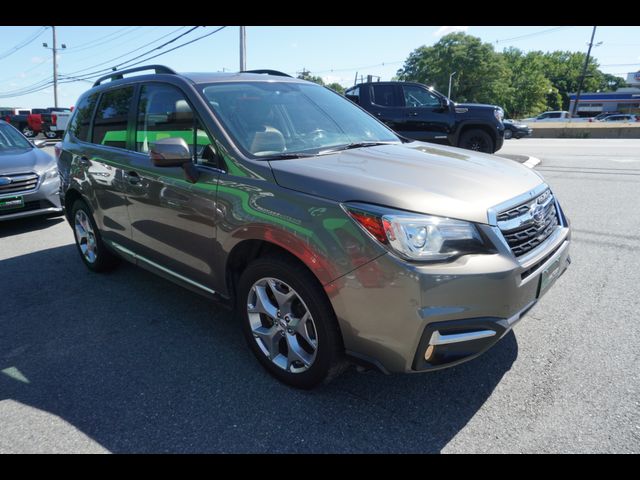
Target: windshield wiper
(350, 146)
(284, 156)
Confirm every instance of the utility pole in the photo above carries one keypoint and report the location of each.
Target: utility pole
(584, 73)
(55, 66)
(243, 49)
(450, 77)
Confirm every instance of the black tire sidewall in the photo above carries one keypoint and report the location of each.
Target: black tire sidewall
(508, 134)
(311, 292)
(469, 134)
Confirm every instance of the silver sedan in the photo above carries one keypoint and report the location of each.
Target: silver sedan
(29, 181)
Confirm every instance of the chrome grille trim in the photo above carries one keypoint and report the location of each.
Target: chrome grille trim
(20, 182)
(526, 225)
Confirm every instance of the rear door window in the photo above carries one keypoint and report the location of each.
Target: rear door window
(386, 95)
(110, 124)
(81, 121)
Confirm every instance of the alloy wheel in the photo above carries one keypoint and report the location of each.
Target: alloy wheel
(86, 237)
(282, 325)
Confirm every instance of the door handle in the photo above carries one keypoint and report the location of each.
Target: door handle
(413, 114)
(132, 177)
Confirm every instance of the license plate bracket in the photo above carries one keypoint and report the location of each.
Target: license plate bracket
(11, 203)
(549, 276)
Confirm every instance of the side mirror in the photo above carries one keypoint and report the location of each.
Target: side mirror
(40, 143)
(170, 152)
(174, 152)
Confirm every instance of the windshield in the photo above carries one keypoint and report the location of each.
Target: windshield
(11, 139)
(281, 118)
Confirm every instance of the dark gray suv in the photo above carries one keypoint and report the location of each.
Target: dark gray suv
(335, 240)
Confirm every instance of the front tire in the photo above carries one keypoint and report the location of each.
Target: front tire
(477, 140)
(50, 135)
(93, 252)
(289, 323)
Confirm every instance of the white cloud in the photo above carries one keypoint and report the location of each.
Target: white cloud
(442, 31)
(38, 59)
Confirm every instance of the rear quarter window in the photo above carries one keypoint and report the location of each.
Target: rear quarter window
(81, 120)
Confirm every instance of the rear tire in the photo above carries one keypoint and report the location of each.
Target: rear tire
(508, 134)
(51, 135)
(477, 140)
(301, 353)
(93, 251)
(28, 132)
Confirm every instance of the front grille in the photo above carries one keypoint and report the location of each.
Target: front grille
(19, 182)
(527, 225)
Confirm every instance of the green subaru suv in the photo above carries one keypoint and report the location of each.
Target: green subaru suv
(335, 240)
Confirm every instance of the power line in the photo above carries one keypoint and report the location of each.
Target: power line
(541, 32)
(357, 68)
(23, 44)
(128, 53)
(92, 75)
(91, 42)
(104, 70)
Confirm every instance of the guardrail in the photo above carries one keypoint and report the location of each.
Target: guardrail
(585, 130)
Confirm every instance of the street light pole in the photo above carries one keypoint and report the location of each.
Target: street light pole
(450, 77)
(243, 49)
(584, 72)
(55, 65)
(55, 70)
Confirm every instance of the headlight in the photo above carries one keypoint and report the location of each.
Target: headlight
(51, 173)
(418, 237)
(499, 114)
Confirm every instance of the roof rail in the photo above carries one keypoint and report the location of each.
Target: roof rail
(268, 72)
(117, 75)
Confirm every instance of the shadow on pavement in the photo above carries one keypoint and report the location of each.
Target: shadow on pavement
(140, 365)
(28, 224)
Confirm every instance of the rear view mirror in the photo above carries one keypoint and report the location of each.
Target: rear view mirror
(170, 152)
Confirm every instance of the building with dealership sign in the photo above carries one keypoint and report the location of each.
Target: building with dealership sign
(624, 100)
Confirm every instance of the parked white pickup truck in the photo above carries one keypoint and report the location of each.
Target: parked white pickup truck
(59, 121)
(556, 116)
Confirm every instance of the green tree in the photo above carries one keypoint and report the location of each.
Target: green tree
(530, 88)
(563, 69)
(482, 74)
(306, 75)
(336, 87)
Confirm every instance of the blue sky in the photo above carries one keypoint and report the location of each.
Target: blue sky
(335, 53)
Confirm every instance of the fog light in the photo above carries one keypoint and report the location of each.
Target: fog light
(429, 352)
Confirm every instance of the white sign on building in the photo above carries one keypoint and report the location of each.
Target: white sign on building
(633, 78)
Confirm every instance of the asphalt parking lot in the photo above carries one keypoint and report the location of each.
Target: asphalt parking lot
(128, 362)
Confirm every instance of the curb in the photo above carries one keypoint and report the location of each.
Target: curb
(526, 160)
(532, 162)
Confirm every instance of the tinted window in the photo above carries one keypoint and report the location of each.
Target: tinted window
(110, 124)
(79, 125)
(385, 95)
(554, 115)
(353, 95)
(163, 112)
(419, 97)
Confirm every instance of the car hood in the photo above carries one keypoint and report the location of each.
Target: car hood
(22, 161)
(417, 176)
